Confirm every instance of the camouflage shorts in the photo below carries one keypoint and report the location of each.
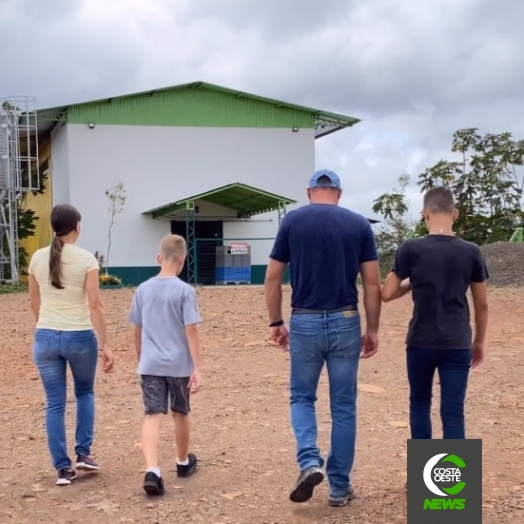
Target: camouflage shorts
(163, 393)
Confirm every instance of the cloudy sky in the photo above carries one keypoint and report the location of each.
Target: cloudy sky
(414, 71)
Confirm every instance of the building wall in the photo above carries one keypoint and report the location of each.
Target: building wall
(160, 165)
(60, 164)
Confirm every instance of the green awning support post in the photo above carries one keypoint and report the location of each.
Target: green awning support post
(281, 210)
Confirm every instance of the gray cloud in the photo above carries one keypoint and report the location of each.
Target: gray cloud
(413, 71)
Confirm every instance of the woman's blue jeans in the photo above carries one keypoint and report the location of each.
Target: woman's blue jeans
(53, 350)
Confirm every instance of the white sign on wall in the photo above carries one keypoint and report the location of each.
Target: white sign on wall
(239, 249)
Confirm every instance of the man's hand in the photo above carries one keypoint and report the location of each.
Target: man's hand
(107, 359)
(195, 381)
(369, 345)
(280, 337)
(478, 355)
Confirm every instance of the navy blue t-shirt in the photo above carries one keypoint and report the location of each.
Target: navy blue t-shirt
(324, 246)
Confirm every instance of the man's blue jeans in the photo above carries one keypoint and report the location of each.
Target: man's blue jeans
(52, 351)
(453, 367)
(333, 338)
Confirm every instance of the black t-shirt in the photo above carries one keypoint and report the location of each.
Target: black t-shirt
(324, 246)
(441, 269)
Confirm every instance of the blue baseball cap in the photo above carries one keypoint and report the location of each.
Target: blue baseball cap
(334, 180)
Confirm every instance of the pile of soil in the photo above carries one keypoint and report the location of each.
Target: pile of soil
(505, 261)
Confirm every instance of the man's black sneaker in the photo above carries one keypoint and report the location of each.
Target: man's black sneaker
(153, 484)
(307, 481)
(188, 469)
(86, 463)
(339, 502)
(65, 476)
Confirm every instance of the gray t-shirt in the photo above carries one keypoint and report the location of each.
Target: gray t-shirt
(163, 306)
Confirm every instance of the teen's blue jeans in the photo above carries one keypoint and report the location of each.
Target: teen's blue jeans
(453, 367)
(333, 338)
(53, 350)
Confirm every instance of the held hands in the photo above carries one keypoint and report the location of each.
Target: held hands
(279, 336)
(369, 345)
(195, 381)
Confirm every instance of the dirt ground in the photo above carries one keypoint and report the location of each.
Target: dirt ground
(241, 429)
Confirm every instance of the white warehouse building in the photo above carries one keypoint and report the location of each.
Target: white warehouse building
(216, 165)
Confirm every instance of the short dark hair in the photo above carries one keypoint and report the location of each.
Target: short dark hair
(439, 200)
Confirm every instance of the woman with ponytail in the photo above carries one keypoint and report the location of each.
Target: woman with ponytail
(65, 300)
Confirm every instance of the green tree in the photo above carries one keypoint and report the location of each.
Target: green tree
(487, 182)
(398, 225)
(26, 225)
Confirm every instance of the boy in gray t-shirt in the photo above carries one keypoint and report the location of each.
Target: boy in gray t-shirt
(165, 315)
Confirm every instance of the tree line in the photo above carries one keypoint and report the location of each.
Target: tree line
(487, 180)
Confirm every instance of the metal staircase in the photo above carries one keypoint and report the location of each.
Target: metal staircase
(18, 174)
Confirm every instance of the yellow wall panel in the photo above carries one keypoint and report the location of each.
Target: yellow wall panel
(41, 205)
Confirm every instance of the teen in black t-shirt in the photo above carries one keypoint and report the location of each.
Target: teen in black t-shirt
(439, 268)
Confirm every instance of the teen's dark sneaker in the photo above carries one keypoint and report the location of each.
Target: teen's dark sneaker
(65, 477)
(153, 484)
(307, 481)
(188, 469)
(339, 502)
(85, 463)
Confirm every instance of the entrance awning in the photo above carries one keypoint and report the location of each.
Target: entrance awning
(247, 201)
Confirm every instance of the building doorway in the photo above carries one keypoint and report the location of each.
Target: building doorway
(205, 249)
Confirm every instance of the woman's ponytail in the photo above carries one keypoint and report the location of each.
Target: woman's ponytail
(64, 220)
(55, 263)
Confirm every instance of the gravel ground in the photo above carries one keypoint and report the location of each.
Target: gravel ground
(505, 261)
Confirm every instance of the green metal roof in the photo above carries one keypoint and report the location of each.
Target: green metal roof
(247, 201)
(195, 104)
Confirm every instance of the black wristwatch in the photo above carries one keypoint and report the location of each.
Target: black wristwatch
(276, 324)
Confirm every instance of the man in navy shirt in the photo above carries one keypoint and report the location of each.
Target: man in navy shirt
(326, 248)
(439, 268)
